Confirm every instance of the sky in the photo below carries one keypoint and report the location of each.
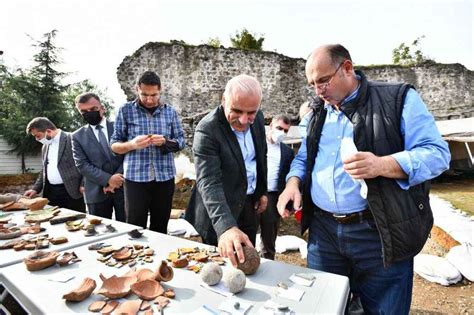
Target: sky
(96, 35)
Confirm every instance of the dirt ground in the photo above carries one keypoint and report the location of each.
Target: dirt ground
(428, 298)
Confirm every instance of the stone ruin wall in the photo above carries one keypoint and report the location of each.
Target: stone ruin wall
(194, 77)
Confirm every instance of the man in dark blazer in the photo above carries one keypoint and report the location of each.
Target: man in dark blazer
(59, 179)
(279, 157)
(230, 158)
(102, 170)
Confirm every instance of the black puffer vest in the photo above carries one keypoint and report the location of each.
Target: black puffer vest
(403, 217)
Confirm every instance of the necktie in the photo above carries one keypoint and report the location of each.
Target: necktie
(103, 141)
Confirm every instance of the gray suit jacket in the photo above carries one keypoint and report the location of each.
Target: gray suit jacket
(67, 169)
(221, 178)
(93, 163)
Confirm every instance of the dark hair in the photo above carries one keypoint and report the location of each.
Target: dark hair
(283, 118)
(40, 124)
(338, 53)
(85, 97)
(149, 78)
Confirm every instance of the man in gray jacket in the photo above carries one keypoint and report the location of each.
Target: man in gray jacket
(59, 180)
(230, 158)
(102, 170)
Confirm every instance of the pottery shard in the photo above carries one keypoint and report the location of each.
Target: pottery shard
(145, 274)
(169, 293)
(147, 289)
(82, 292)
(128, 307)
(59, 240)
(40, 260)
(149, 252)
(180, 263)
(116, 287)
(252, 261)
(110, 307)
(164, 273)
(97, 306)
(145, 306)
(162, 301)
(34, 203)
(122, 254)
(201, 257)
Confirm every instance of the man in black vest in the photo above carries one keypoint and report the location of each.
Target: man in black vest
(367, 210)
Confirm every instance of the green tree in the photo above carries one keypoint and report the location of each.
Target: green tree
(409, 55)
(246, 40)
(214, 42)
(77, 88)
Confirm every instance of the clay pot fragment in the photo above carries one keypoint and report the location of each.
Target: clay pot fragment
(147, 289)
(135, 233)
(110, 307)
(145, 306)
(169, 293)
(149, 252)
(180, 263)
(19, 246)
(129, 307)
(162, 301)
(122, 254)
(13, 206)
(95, 221)
(10, 244)
(67, 259)
(164, 273)
(106, 250)
(40, 260)
(97, 306)
(67, 217)
(82, 292)
(145, 274)
(201, 257)
(59, 240)
(34, 204)
(9, 233)
(116, 287)
(252, 261)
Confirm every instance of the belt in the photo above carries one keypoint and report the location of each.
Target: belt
(355, 217)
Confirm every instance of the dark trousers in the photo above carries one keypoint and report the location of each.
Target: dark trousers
(153, 197)
(269, 222)
(247, 221)
(105, 208)
(58, 196)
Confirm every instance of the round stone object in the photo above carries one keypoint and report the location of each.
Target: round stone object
(211, 274)
(252, 261)
(234, 280)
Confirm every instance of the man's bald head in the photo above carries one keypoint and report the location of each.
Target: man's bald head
(332, 54)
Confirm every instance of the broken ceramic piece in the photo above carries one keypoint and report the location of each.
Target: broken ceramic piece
(128, 307)
(147, 289)
(180, 262)
(164, 273)
(34, 204)
(110, 307)
(122, 254)
(59, 240)
(96, 306)
(135, 233)
(67, 217)
(90, 230)
(116, 287)
(67, 258)
(82, 292)
(40, 260)
(169, 293)
(9, 233)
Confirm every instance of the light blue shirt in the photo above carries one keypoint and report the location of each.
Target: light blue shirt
(426, 156)
(248, 153)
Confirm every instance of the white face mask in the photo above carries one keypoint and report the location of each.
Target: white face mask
(278, 135)
(45, 141)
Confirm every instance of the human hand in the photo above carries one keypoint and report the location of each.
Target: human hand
(230, 243)
(261, 204)
(30, 193)
(116, 181)
(158, 140)
(290, 194)
(81, 190)
(140, 142)
(108, 190)
(363, 165)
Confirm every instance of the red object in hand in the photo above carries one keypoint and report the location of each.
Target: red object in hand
(298, 215)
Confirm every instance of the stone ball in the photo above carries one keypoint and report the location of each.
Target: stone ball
(211, 273)
(252, 261)
(234, 280)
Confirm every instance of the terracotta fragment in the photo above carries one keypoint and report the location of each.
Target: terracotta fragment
(122, 254)
(110, 307)
(34, 204)
(145, 306)
(162, 301)
(147, 289)
(169, 293)
(9, 233)
(97, 306)
(10, 244)
(164, 273)
(40, 260)
(13, 206)
(106, 250)
(59, 240)
(201, 257)
(128, 307)
(145, 274)
(149, 252)
(180, 263)
(95, 221)
(116, 287)
(82, 292)
(67, 259)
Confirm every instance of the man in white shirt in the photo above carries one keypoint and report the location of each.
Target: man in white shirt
(279, 157)
(59, 180)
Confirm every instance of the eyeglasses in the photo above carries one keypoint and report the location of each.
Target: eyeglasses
(324, 85)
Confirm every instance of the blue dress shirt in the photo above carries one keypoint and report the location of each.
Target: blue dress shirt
(426, 156)
(248, 153)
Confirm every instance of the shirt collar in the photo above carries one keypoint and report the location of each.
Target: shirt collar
(103, 123)
(56, 137)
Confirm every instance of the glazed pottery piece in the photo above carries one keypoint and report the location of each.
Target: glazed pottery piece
(97, 306)
(110, 307)
(252, 261)
(116, 287)
(147, 289)
(95, 221)
(129, 307)
(40, 260)
(39, 217)
(82, 292)
(164, 273)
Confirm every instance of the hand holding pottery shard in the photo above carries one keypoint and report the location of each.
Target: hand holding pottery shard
(82, 292)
